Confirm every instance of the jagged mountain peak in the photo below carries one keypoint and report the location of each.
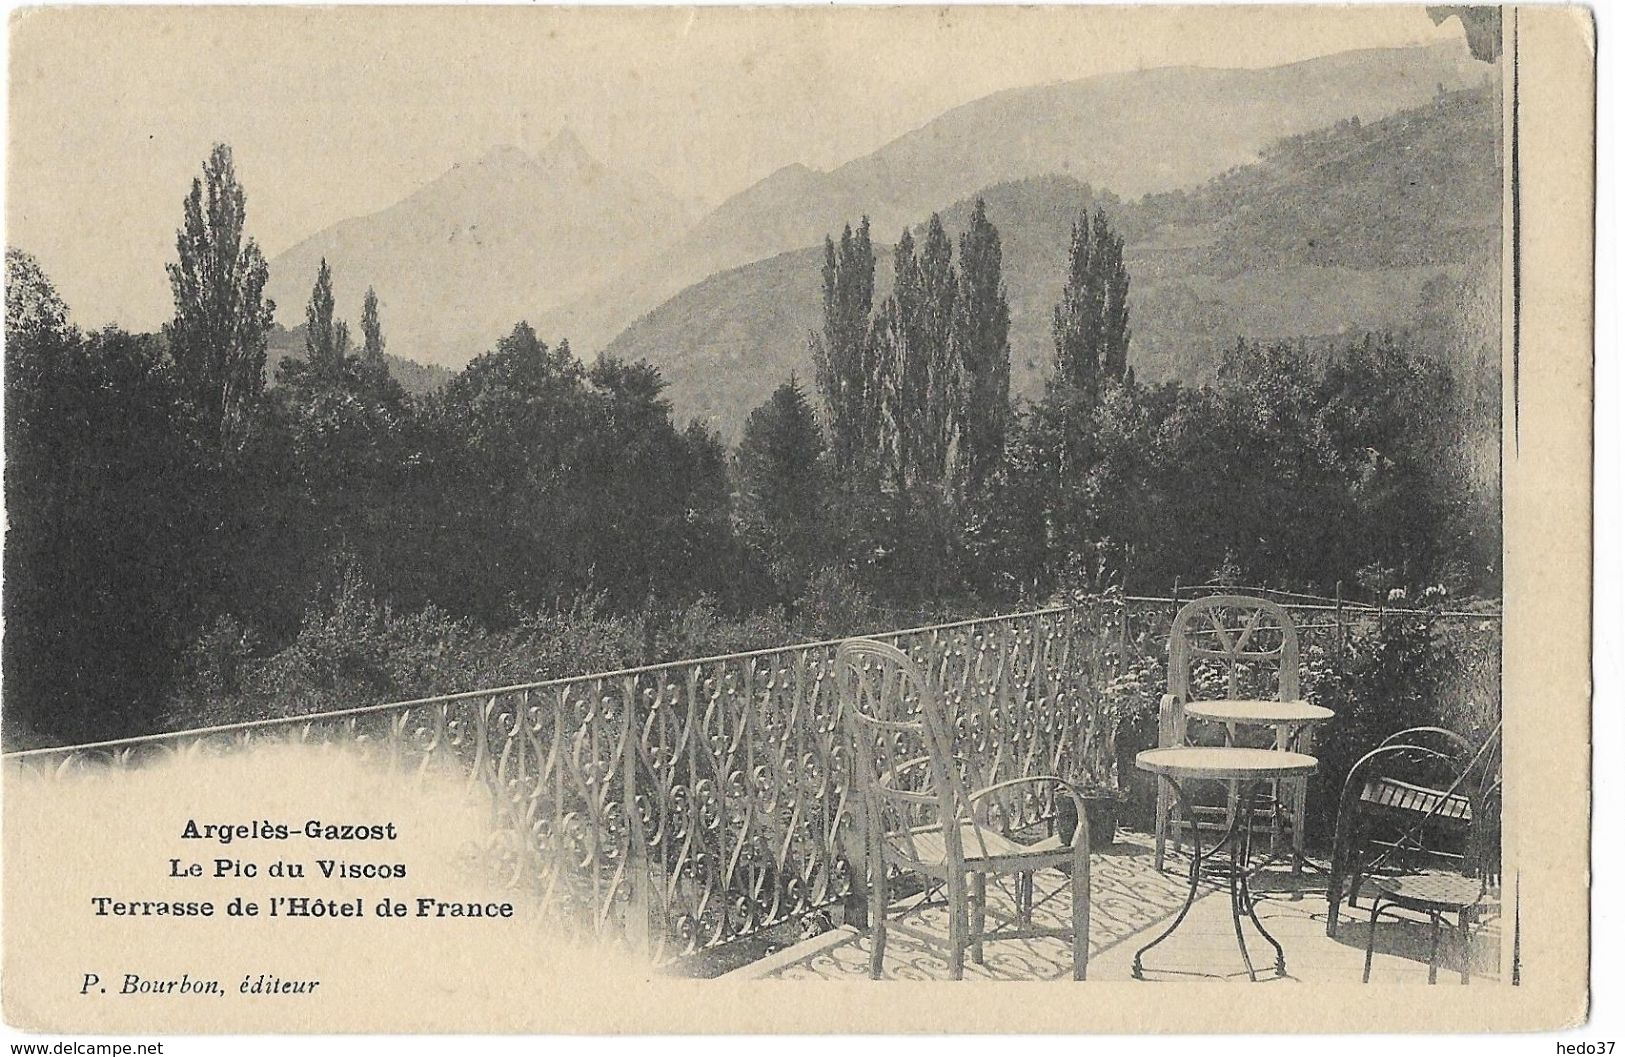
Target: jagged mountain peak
(562, 157)
(503, 154)
(556, 235)
(503, 236)
(566, 146)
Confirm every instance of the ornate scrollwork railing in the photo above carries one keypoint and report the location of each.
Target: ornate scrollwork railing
(688, 804)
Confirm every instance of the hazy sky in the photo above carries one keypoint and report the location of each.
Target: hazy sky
(335, 113)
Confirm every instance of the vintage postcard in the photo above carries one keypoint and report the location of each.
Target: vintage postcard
(747, 519)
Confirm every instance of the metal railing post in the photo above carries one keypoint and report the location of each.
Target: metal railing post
(637, 849)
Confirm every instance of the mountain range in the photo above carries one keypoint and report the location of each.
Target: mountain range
(1357, 227)
(1139, 132)
(581, 250)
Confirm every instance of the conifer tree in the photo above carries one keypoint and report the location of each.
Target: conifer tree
(782, 480)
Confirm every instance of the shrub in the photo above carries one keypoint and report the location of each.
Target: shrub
(833, 605)
(1400, 671)
(701, 630)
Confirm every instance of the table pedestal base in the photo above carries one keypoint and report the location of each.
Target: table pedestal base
(1239, 840)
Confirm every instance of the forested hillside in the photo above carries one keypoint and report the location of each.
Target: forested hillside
(1136, 132)
(1355, 227)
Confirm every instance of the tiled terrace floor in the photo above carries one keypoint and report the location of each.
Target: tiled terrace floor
(1132, 902)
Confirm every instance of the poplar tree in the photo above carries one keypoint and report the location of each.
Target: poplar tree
(372, 331)
(941, 403)
(1113, 295)
(1091, 353)
(912, 346)
(326, 339)
(217, 338)
(893, 336)
(982, 350)
(1091, 322)
(845, 372)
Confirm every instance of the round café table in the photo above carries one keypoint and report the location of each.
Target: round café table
(1291, 719)
(1293, 723)
(1244, 769)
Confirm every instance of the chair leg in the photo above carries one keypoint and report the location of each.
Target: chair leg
(1433, 948)
(1463, 920)
(978, 916)
(1334, 898)
(1370, 939)
(1024, 899)
(1080, 919)
(877, 921)
(957, 925)
(1275, 819)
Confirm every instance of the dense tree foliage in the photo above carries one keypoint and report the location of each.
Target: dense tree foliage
(34, 310)
(554, 480)
(103, 498)
(187, 546)
(1294, 469)
(1286, 473)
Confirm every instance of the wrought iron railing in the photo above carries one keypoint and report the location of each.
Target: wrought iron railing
(686, 805)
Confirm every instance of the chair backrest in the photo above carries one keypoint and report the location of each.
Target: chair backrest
(1431, 788)
(902, 754)
(1240, 635)
(1455, 762)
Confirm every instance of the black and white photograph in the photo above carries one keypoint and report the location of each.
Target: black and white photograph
(770, 499)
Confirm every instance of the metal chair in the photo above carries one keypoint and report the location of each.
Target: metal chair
(1243, 639)
(1439, 883)
(1418, 794)
(918, 817)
